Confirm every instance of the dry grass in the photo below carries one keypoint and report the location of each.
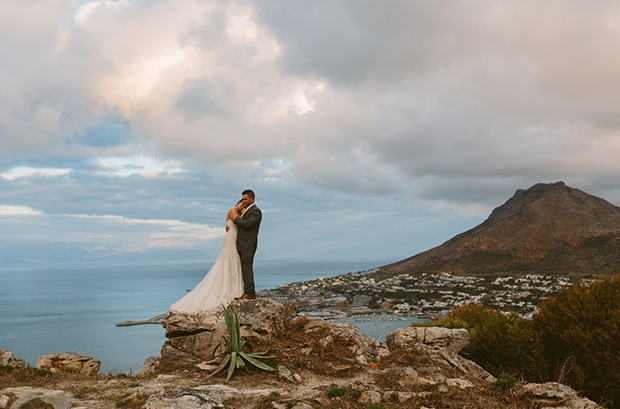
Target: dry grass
(329, 371)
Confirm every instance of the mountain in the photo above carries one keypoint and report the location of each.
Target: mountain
(548, 228)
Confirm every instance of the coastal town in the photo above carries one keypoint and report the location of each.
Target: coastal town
(424, 295)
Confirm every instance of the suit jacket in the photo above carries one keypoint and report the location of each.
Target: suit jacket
(247, 232)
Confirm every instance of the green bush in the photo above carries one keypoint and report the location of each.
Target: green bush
(500, 342)
(356, 393)
(336, 392)
(503, 383)
(580, 329)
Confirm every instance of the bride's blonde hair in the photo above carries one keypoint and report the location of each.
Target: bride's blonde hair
(233, 212)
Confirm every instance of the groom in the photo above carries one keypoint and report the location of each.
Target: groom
(247, 241)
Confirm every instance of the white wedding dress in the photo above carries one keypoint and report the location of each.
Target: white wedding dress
(221, 284)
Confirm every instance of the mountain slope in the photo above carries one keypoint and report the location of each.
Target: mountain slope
(548, 228)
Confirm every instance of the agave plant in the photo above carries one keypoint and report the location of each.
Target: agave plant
(236, 356)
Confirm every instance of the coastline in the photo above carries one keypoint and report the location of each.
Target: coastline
(74, 307)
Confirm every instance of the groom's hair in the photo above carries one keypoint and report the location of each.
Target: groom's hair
(249, 192)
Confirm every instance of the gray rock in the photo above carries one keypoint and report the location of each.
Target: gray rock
(369, 397)
(226, 392)
(149, 367)
(359, 344)
(453, 339)
(466, 366)
(459, 383)
(184, 399)
(8, 359)
(302, 405)
(554, 394)
(400, 396)
(327, 341)
(28, 397)
(69, 362)
(286, 374)
(193, 338)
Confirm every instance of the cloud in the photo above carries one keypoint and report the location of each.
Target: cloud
(166, 110)
(26, 171)
(104, 235)
(140, 164)
(9, 210)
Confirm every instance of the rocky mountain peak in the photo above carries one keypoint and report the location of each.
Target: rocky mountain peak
(548, 228)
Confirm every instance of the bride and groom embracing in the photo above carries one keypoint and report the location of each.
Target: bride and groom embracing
(223, 282)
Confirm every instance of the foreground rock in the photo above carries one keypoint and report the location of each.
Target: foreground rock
(193, 338)
(26, 397)
(553, 394)
(69, 362)
(7, 359)
(435, 338)
(318, 365)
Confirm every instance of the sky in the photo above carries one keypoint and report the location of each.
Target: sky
(369, 130)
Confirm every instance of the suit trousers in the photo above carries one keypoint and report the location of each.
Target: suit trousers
(247, 272)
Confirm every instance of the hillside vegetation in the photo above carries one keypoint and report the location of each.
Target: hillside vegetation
(574, 339)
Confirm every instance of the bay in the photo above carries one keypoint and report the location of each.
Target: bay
(74, 307)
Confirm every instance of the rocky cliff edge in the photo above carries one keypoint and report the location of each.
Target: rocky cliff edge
(319, 365)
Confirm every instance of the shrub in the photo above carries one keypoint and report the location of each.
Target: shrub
(503, 384)
(336, 391)
(499, 342)
(580, 329)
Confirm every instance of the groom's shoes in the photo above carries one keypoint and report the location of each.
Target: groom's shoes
(245, 297)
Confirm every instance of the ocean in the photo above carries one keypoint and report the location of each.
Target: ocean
(74, 307)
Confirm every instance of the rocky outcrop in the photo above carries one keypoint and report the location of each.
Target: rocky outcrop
(194, 338)
(8, 359)
(427, 368)
(556, 395)
(452, 339)
(27, 398)
(69, 362)
(184, 398)
(363, 348)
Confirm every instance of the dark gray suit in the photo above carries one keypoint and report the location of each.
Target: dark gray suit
(247, 242)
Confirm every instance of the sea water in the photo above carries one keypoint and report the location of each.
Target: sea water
(47, 308)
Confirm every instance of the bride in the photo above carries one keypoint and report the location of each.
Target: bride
(223, 282)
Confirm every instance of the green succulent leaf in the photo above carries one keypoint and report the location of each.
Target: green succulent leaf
(222, 365)
(236, 357)
(255, 360)
(233, 363)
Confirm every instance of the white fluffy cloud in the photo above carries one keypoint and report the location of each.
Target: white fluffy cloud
(450, 106)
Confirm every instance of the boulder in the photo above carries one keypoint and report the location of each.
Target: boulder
(466, 366)
(8, 359)
(553, 394)
(149, 367)
(193, 338)
(69, 362)
(184, 398)
(28, 397)
(364, 348)
(453, 339)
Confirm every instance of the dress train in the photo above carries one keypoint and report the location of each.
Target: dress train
(221, 284)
